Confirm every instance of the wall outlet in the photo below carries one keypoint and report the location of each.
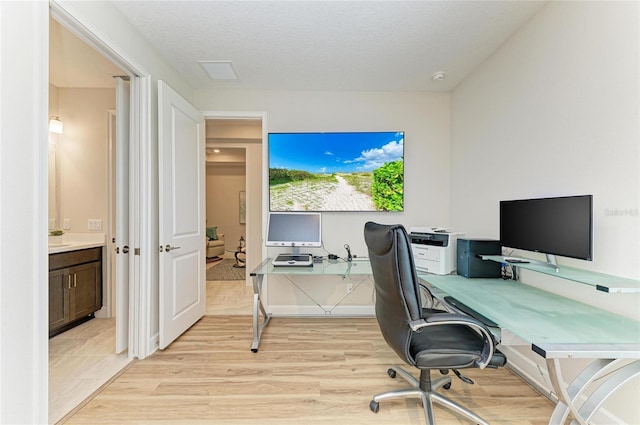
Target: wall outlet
(66, 224)
(94, 224)
(349, 288)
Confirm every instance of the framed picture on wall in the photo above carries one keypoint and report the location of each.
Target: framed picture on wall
(243, 207)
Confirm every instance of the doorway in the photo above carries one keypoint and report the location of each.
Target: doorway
(234, 180)
(83, 92)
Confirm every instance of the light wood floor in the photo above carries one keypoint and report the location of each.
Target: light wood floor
(83, 359)
(229, 297)
(311, 371)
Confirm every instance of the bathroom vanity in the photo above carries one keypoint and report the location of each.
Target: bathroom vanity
(75, 286)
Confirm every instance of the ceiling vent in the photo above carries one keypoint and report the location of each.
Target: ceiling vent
(219, 70)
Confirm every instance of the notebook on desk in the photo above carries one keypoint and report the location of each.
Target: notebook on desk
(293, 260)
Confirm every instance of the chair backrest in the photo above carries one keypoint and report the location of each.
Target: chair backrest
(396, 283)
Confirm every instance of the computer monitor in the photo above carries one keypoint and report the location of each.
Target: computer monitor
(295, 230)
(553, 226)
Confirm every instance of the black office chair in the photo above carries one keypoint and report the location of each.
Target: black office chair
(424, 338)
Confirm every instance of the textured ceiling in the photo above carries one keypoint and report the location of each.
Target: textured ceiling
(329, 45)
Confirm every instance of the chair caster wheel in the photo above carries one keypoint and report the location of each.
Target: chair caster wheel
(374, 406)
(391, 373)
(447, 386)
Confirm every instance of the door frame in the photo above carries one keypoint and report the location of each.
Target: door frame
(108, 300)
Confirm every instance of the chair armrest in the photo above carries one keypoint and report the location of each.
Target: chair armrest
(460, 319)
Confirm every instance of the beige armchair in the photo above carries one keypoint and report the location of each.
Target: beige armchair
(215, 248)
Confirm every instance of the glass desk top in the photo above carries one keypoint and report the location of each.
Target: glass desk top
(327, 267)
(538, 316)
(602, 282)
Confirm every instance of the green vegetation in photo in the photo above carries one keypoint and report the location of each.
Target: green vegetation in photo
(362, 181)
(284, 175)
(387, 190)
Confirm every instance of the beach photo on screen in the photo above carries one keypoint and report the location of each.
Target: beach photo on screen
(357, 171)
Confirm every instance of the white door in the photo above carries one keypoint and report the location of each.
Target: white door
(123, 252)
(181, 136)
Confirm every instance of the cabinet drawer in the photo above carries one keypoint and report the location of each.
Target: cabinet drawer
(72, 258)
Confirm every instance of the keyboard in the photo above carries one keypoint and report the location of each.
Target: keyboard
(293, 260)
(470, 312)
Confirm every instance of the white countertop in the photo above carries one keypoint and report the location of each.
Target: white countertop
(77, 241)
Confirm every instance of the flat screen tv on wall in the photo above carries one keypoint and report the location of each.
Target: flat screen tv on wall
(358, 171)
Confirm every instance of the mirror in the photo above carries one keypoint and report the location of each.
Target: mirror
(73, 64)
(53, 195)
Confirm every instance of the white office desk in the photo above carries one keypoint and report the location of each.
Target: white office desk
(557, 328)
(326, 268)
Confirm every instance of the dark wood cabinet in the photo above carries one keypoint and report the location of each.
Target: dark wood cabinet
(75, 288)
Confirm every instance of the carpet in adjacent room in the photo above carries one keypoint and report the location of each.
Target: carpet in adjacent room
(224, 270)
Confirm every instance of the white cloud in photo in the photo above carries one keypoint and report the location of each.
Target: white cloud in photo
(376, 157)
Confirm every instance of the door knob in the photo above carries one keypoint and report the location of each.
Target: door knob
(170, 248)
(125, 249)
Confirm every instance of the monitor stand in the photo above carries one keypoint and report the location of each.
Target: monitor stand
(551, 261)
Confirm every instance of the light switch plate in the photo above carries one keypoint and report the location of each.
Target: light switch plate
(66, 224)
(94, 224)
(52, 223)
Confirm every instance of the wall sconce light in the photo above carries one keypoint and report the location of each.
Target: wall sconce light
(55, 125)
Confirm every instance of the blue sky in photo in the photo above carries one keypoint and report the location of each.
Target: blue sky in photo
(334, 152)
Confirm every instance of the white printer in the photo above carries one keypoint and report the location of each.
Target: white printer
(434, 250)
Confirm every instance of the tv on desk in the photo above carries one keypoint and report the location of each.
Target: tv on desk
(552, 226)
(295, 230)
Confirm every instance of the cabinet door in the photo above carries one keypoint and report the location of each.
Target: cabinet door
(59, 309)
(87, 289)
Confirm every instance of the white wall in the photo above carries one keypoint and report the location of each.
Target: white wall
(23, 212)
(423, 116)
(224, 184)
(555, 112)
(538, 119)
